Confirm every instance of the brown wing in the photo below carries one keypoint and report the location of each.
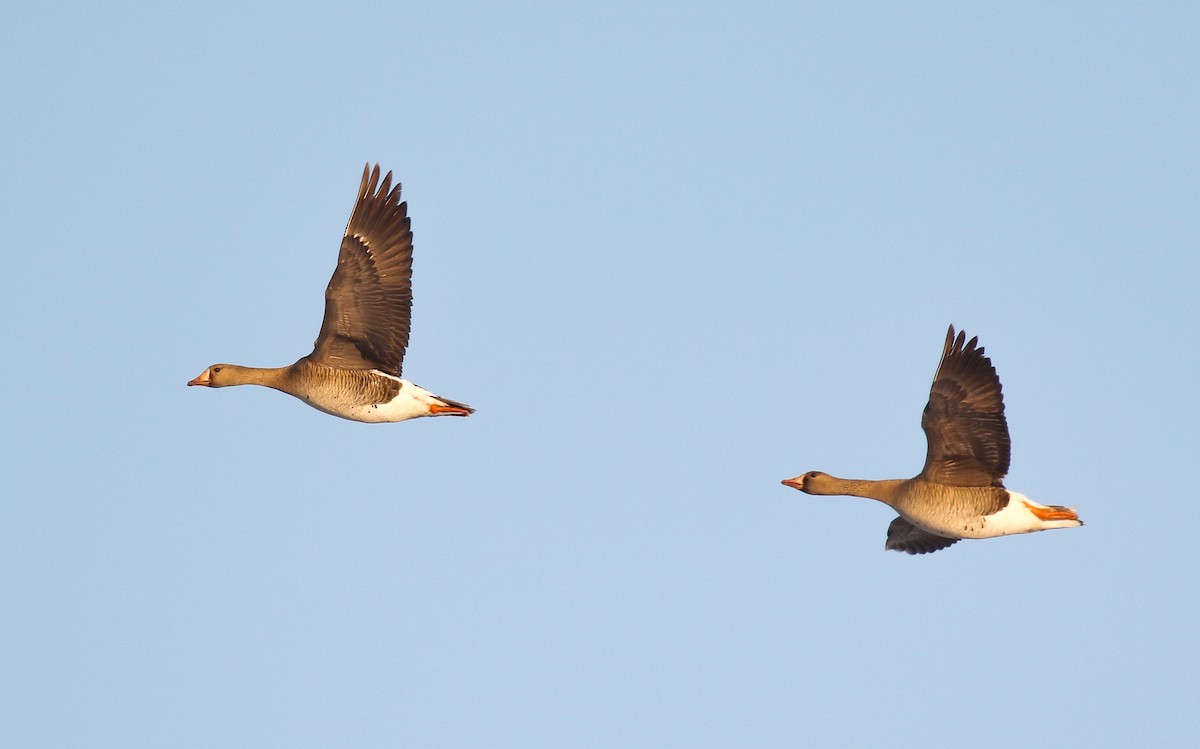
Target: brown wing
(369, 299)
(964, 419)
(904, 536)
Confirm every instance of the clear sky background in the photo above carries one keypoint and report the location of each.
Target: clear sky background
(672, 253)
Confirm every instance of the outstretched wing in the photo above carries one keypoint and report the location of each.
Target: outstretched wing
(964, 419)
(368, 303)
(904, 536)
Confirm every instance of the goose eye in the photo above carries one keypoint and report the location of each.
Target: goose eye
(812, 474)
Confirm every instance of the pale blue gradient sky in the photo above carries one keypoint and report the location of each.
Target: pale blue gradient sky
(673, 254)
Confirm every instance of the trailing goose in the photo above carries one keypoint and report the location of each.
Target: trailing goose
(354, 368)
(959, 493)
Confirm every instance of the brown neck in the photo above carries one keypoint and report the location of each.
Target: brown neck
(886, 491)
(272, 377)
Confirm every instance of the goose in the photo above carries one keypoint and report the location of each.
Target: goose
(354, 368)
(960, 493)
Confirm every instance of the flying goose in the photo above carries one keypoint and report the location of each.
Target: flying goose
(959, 493)
(354, 368)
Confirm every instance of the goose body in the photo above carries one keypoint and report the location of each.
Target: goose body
(960, 493)
(404, 400)
(354, 369)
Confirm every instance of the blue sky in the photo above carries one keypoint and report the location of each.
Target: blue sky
(672, 253)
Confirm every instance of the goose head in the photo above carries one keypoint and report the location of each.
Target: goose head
(814, 482)
(216, 376)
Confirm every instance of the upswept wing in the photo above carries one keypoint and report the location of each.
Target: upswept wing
(368, 303)
(964, 420)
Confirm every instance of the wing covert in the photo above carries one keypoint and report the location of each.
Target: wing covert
(904, 536)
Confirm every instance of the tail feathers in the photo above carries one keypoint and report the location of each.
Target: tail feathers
(1052, 512)
(447, 407)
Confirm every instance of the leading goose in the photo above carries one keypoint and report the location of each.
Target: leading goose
(354, 369)
(959, 494)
